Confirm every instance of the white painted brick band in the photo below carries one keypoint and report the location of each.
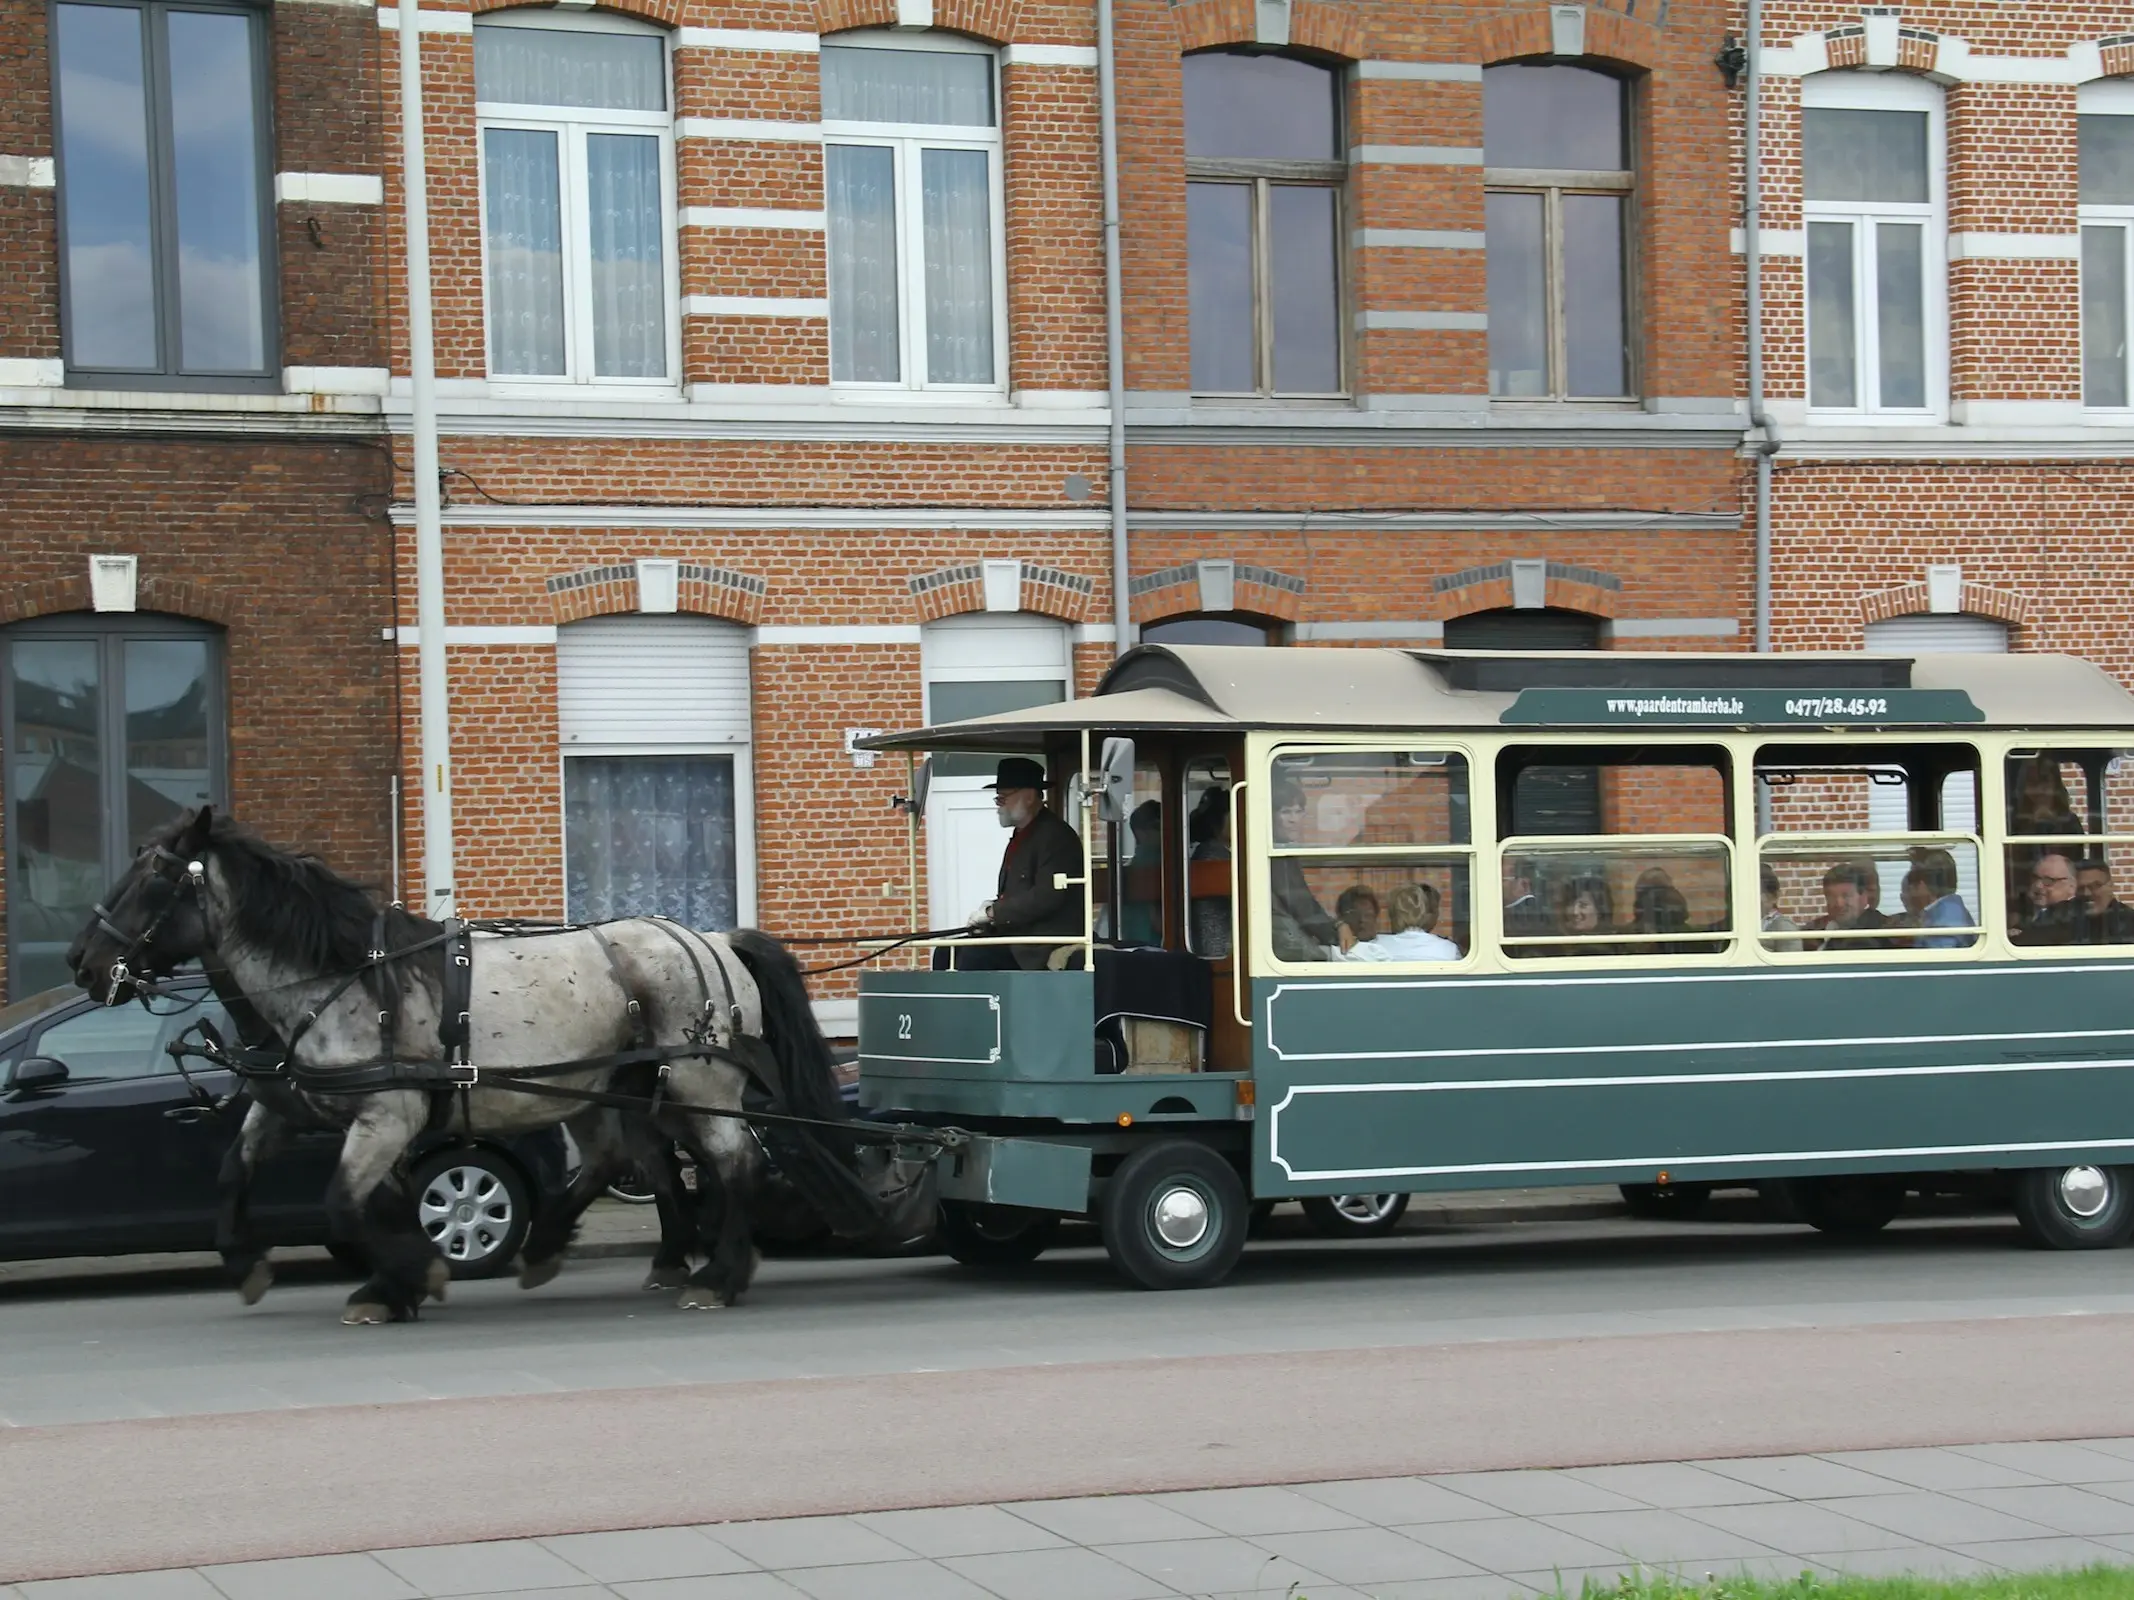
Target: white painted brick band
(26, 172)
(336, 380)
(1418, 155)
(428, 21)
(1049, 55)
(26, 372)
(747, 129)
(330, 188)
(1417, 238)
(747, 39)
(2015, 247)
(750, 217)
(1421, 71)
(1423, 321)
(735, 305)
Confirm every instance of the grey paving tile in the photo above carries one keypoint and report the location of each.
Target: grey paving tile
(356, 1577)
(498, 1566)
(1250, 1511)
(1659, 1537)
(1069, 1574)
(1939, 1518)
(172, 1583)
(1535, 1494)
(959, 1531)
(2122, 1448)
(884, 1580)
(641, 1553)
(2058, 1507)
(2054, 1463)
(1213, 1566)
(2115, 1491)
(1389, 1502)
(1319, 1591)
(1673, 1485)
(1802, 1477)
(1512, 1544)
(1108, 1519)
(805, 1542)
(737, 1586)
(2117, 1541)
(1938, 1469)
(1798, 1528)
(1365, 1555)
(1487, 1586)
(1904, 1560)
(1571, 1582)
(2043, 1555)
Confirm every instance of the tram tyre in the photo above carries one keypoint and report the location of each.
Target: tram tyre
(994, 1236)
(2075, 1208)
(1847, 1206)
(1666, 1202)
(1175, 1217)
(1354, 1216)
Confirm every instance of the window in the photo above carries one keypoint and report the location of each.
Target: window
(1871, 184)
(1204, 809)
(108, 1043)
(1652, 876)
(1265, 164)
(577, 186)
(164, 200)
(1207, 628)
(1372, 856)
(2106, 137)
(2070, 847)
(1546, 797)
(112, 730)
(1557, 159)
(911, 166)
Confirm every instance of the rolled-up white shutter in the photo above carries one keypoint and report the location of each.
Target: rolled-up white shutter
(652, 683)
(1926, 634)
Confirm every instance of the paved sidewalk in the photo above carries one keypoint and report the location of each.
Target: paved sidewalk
(1456, 1536)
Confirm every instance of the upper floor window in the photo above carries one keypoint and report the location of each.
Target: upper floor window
(1871, 191)
(164, 202)
(1265, 165)
(911, 169)
(577, 180)
(2106, 134)
(1558, 165)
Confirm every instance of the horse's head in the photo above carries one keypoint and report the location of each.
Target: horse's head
(151, 922)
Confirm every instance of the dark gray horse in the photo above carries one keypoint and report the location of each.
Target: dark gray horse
(312, 960)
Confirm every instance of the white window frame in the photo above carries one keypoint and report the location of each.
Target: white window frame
(1854, 91)
(571, 124)
(744, 810)
(909, 141)
(2108, 98)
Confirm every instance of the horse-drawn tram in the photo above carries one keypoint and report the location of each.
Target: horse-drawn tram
(1360, 920)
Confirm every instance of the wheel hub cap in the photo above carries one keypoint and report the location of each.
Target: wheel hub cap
(2085, 1191)
(466, 1212)
(1181, 1217)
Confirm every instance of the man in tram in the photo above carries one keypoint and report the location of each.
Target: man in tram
(1041, 846)
(2105, 919)
(1302, 929)
(1849, 895)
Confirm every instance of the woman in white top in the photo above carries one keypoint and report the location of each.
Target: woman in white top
(1411, 912)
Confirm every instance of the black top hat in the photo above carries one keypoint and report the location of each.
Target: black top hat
(1019, 772)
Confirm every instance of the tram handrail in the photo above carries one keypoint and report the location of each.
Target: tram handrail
(1237, 921)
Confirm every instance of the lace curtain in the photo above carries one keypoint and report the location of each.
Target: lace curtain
(862, 203)
(955, 198)
(650, 836)
(524, 233)
(629, 280)
(549, 67)
(929, 88)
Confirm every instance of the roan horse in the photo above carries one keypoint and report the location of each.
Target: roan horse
(639, 1033)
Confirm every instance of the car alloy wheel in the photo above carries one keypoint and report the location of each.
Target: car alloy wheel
(474, 1208)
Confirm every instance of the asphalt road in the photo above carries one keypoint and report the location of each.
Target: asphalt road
(848, 1385)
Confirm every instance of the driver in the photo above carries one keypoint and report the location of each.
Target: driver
(1040, 845)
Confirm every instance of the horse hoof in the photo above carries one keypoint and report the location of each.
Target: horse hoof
(367, 1316)
(532, 1274)
(255, 1283)
(700, 1299)
(667, 1278)
(436, 1278)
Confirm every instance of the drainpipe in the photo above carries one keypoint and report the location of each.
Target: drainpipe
(434, 708)
(1114, 327)
(1767, 439)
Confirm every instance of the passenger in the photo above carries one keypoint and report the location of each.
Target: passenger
(1915, 896)
(2055, 915)
(1411, 914)
(1524, 914)
(1040, 847)
(1141, 915)
(1584, 906)
(1933, 879)
(2039, 804)
(1358, 907)
(1775, 920)
(1658, 906)
(1302, 929)
(1849, 905)
(1208, 828)
(2105, 920)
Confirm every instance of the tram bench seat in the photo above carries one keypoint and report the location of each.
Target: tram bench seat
(1154, 1008)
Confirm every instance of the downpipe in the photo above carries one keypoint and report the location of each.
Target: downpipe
(1114, 329)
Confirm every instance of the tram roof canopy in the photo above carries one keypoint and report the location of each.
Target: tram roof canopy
(1233, 688)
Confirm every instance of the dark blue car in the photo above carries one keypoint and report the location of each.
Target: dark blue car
(103, 1151)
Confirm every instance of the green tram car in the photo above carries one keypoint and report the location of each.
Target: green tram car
(1412, 920)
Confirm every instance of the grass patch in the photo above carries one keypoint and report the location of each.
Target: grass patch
(2089, 1583)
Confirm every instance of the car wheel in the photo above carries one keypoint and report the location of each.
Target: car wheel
(632, 1189)
(1846, 1204)
(1666, 1202)
(995, 1236)
(1355, 1216)
(1174, 1216)
(473, 1205)
(2075, 1208)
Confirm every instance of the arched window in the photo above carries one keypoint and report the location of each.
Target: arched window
(577, 198)
(1559, 169)
(911, 171)
(1265, 165)
(1208, 628)
(113, 726)
(1563, 799)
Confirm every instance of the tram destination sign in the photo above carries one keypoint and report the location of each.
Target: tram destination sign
(1755, 708)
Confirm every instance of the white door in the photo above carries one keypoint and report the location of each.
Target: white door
(979, 666)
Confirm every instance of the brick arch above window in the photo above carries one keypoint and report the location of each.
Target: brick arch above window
(1498, 587)
(1569, 33)
(667, 13)
(1047, 591)
(1912, 599)
(1321, 25)
(611, 589)
(174, 597)
(1223, 587)
(993, 21)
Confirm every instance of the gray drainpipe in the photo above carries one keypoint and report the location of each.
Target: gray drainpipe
(1114, 330)
(1767, 441)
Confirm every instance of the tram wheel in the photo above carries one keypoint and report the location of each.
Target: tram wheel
(1846, 1204)
(1354, 1216)
(2075, 1208)
(995, 1236)
(1669, 1202)
(1174, 1216)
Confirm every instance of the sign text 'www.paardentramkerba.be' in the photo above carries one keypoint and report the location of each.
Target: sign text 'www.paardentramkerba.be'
(1590, 708)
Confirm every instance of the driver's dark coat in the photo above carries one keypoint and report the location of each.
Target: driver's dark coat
(1026, 901)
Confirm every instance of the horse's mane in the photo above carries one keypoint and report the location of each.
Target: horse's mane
(294, 904)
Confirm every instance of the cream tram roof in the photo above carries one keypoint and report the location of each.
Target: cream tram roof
(1232, 688)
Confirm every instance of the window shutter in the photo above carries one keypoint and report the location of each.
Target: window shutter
(652, 683)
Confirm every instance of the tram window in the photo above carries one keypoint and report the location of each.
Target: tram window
(1376, 797)
(1370, 908)
(2070, 849)
(1141, 860)
(1645, 897)
(1205, 817)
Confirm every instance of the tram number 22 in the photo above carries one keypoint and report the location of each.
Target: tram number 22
(903, 1024)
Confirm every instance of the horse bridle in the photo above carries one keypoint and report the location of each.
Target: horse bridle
(190, 879)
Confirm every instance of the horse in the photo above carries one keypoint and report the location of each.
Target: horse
(640, 1033)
